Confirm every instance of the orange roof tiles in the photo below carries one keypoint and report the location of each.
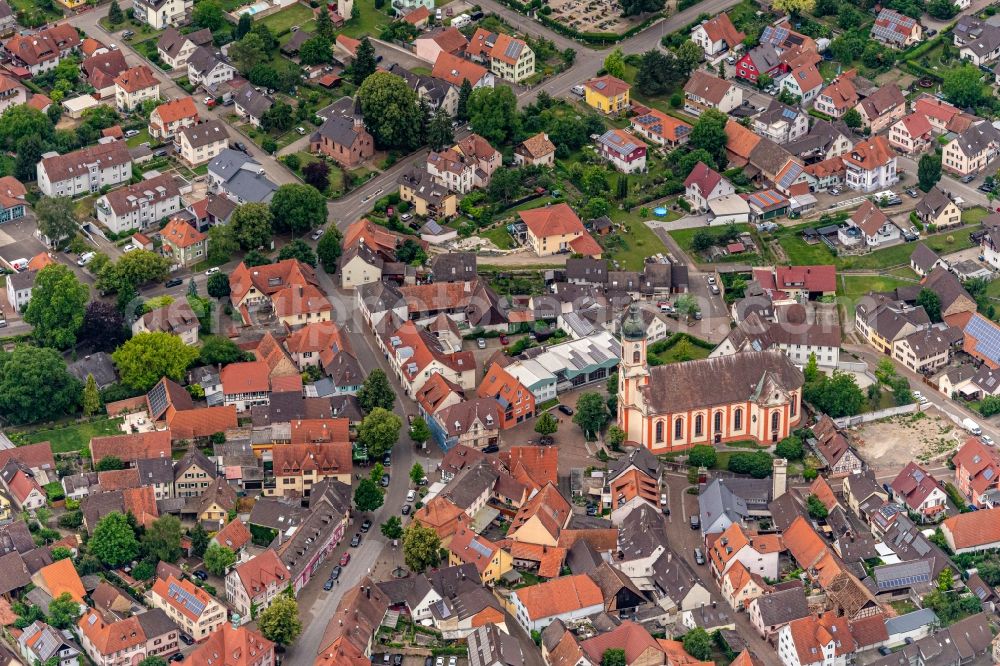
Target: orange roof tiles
(317, 337)
(269, 279)
(740, 141)
(811, 634)
(418, 15)
(136, 79)
(560, 595)
(443, 517)
(916, 125)
(181, 234)
(349, 44)
(974, 530)
(435, 390)
(973, 460)
(630, 637)
(39, 101)
(315, 431)
(258, 573)
(549, 506)
(161, 588)
(658, 123)
(229, 646)
(471, 548)
(821, 489)
(721, 28)
(234, 536)
(131, 447)
(333, 458)
(870, 154)
(111, 638)
(455, 70)
(607, 86)
(557, 220)
(141, 503)
(245, 377)
(192, 423)
(550, 558)
(61, 577)
(804, 544)
(538, 145)
(535, 466)
(177, 109)
(118, 479)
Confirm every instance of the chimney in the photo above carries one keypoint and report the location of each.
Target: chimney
(780, 473)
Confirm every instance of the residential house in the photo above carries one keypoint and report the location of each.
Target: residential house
(254, 584)
(12, 93)
(474, 423)
(242, 647)
(661, 129)
(762, 60)
(60, 578)
(516, 401)
(896, 30)
(191, 608)
(919, 492)
(838, 97)
(804, 82)
(833, 449)
(170, 117)
(912, 134)
(157, 473)
(135, 86)
(554, 229)
(535, 151)
(430, 45)
(318, 535)
(193, 474)
(924, 260)
(206, 68)
(175, 48)
(937, 208)
(131, 447)
(977, 471)
(344, 138)
(246, 384)
(717, 35)
(781, 123)
(882, 109)
(758, 553)
(490, 560)
(139, 206)
(429, 198)
(214, 505)
(239, 179)
(704, 184)
(183, 244)
(607, 94)
(22, 486)
(972, 532)
(705, 91)
(739, 587)
(177, 319)
(774, 610)
(455, 70)
(289, 288)
(823, 640)
(43, 50)
(565, 598)
(159, 14)
(198, 144)
(982, 45)
(972, 150)
(112, 640)
(299, 467)
(84, 171)
(870, 165)
(509, 58)
(40, 643)
(351, 642)
(626, 153)
(882, 321)
(251, 104)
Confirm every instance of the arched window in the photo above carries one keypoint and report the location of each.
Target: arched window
(659, 432)
(635, 356)
(718, 422)
(699, 425)
(775, 418)
(738, 419)
(794, 407)
(679, 429)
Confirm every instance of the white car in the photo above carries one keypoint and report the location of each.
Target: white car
(316, 235)
(131, 133)
(212, 271)
(578, 90)
(452, 660)
(711, 280)
(987, 440)
(301, 130)
(130, 248)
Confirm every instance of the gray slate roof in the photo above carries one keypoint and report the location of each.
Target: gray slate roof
(783, 606)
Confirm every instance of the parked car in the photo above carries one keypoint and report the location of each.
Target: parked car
(987, 440)
(128, 35)
(316, 235)
(492, 448)
(177, 656)
(187, 640)
(503, 339)
(201, 575)
(411, 495)
(385, 481)
(405, 217)
(328, 585)
(131, 133)
(452, 660)
(397, 660)
(699, 558)
(565, 409)
(387, 460)
(301, 131)
(591, 509)
(365, 526)
(969, 178)
(345, 559)
(173, 282)
(695, 522)
(578, 90)
(85, 258)
(356, 540)
(481, 343)
(212, 271)
(406, 509)
(912, 192)
(711, 279)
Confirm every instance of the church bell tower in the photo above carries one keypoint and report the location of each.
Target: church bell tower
(632, 373)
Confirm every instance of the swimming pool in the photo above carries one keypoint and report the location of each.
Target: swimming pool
(659, 211)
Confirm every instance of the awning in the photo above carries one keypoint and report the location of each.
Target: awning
(483, 518)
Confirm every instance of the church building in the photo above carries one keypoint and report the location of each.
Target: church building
(749, 395)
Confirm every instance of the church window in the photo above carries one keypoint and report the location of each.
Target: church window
(679, 429)
(774, 420)
(793, 409)
(738, 419)
(699, 425)
(718, 422)
(659, 432)
(635, 356)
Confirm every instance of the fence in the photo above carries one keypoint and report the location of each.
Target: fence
(867, 417)
(853, 366)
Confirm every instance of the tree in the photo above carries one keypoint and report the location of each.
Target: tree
(963, 86)
(162, 539)
(316, 51)
(416, 473)
(615, 438)
(132, 270)
(505, 185)
(56, 219)
(91, 399)
(280, 621)
(298, 249)
(493, 114)
(421, 547)
(942, 9)
(546, 424)
(709, 134)
(392, 528)
(852, 118)
(931, 303)
(115, 13)
(790, 448)
(243, 26)
(154, 660)
(208, 14)
(636, 7)
(464, 93)
(57, 306)
(248, 51)
(614, 64)
(364, 62)
(376, 392)
(757, 463)
(252, 224)
(113, 541)
(61, 553)
(19, 121)
(324, 25)
(816, 508)
(409, 252)
(279, 117)
(150, 356)
(835, 396)
(298, 209)
(35, 385)
(29, 154)
(109, 464)
(439, 131)
(199, 540)
(698, 644)
(591, 414)
(702, 455)
(379, 431)
(217, 350)
(329, 248)
(222, 243)
(64, 611)
(613, 657)
(317, 174)
(218, 559)
(929, 171)
(660, 72)
(419, 433)
(218, 285)
(368, 496)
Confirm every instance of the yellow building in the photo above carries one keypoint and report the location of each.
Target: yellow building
(216, 502)
(491, 561)
(190, 607)
(557, 229)
(607, 94)
(429, 198)
(72, 4)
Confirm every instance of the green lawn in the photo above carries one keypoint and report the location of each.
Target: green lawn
(679, 351)
(281, 22)
(685, 238)
(856, 286)
(369, 22)
(640, 241)
(974, 215)
(139, 138)
(421, 71)
(500, 237)
(74, 437)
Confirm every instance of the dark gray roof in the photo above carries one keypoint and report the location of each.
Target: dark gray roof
(488, 646)
(929, 208)
(450, 582)
(410, 590)
(582, 558)
(221, 208)
(587, 270)
(338, 129)
(783, 606)
(194, 456)
(820, 138)
(785, 510)
(978, 138)
(454, 267)
(470, 484)
(204, 59)
(381, 296)
(902, 575)
(947, 286)
(641, 533)
(156, 471)
(641, 459)
(287, 406)
(346, 406)
(155, 622)
(276, 514)
(207, 133)
(923, 257)
(5, 11)
(911, 621)
(99, 365)
(171, 41)
(673, 577)
(254, 102)
(13, 573)
(296, 41)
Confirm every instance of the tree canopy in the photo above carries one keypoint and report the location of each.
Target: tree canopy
(57, 306)
(493, 114)
(391, 111)
(709, 134)
(35, 385)
(376, 392)
(929, 171)
(56, 218)
(252, 225)
(113, 541)
(931, 303)
(298, 208)
(147, 357)
(379, 431)
(219, 558)
(591, 414)
(280, 621)
(162, 539)
(421, 547)
(963, 86)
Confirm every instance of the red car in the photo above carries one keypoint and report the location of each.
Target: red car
(503, 340)
(344, 559)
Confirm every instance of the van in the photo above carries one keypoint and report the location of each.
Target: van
(411, 495)
(85, 258)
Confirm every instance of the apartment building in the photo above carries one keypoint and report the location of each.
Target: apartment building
(84, 171)
(191, 608)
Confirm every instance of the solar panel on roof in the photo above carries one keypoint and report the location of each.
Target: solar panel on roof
(186, 599)
(513, 49)
(987, 337)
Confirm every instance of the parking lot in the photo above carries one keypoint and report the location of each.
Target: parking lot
(18, 241)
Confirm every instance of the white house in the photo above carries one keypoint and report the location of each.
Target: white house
(19, 287)
(868, 224)
(565, 598)
(84, 171)
(139, 206)
(816, 641)
(870, 165)
(717, 35)
(704, 184)
(162, 13)
(207, 69)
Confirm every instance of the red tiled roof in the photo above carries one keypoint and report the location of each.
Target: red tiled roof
(181, 234)
(136, 79)
(130, 447)
(176, 109)
(557, 220)
(455, 70)
(118, 479)
(721, 28)
(192, 423)
(974, 459)
(976, 529)
(705, 177)
(560, 595)
(234, 536)
(870, 154)
(607, 86)
(245, 377)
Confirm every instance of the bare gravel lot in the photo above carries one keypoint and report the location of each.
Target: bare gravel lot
(892, 443)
